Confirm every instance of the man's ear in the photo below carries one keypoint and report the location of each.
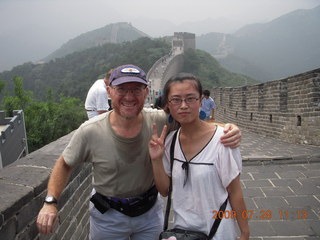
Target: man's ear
(147, 91)
(108, 90)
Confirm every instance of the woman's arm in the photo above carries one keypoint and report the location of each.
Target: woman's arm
(238, 205)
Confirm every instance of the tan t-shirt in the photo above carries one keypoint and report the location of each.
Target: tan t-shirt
(121, 166)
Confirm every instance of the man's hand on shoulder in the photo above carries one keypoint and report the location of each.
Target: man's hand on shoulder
(232, 137)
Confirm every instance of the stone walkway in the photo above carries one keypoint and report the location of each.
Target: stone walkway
(281, 184)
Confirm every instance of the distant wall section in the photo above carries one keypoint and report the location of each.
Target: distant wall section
(286, 109)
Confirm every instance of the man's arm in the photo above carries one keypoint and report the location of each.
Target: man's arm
(48, 215)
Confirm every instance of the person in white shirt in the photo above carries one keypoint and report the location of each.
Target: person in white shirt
(97, 98)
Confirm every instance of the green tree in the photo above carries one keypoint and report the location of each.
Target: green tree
(45, 121)
(48, 121)
(2, 85)
(20, 99)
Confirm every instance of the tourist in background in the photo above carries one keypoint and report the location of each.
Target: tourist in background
(97, 101)
(208, 105)
(159, 104)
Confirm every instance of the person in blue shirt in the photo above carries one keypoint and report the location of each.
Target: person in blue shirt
(208, 105)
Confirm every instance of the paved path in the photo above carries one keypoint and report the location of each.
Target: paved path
(281, 185)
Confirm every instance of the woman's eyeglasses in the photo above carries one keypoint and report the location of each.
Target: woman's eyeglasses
(178, 101)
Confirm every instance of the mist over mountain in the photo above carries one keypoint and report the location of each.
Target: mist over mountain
(285, 46)
(112, 33)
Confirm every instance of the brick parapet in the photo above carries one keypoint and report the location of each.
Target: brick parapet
(22, 190)
(286, 109)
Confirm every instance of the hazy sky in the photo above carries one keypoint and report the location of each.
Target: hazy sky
(50, 23)
(91, 14)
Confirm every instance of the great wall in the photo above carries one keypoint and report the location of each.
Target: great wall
(287, 109)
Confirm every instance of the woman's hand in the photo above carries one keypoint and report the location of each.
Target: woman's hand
(156, 144)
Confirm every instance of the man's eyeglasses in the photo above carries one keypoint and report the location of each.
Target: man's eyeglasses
(178, 101)
(121, 91)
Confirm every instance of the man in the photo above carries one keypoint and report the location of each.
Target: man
(124, 203)
(208, 105)
(97, 98)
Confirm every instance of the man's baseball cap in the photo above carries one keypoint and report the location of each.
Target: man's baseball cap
(128, 73)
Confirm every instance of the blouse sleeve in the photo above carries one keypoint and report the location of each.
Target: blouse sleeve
(229, 164)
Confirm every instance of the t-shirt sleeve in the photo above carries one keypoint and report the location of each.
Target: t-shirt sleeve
(76, 151)
(102, 100)
(229, 164)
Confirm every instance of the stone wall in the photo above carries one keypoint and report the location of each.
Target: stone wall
(13, 139)
(174, 67)
(184, 40)
(286, 109)
(22, 190)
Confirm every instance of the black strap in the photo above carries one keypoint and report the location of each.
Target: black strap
(166, 218)
(217, 221)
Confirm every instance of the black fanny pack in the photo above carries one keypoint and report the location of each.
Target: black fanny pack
(181, 234)
(134, 206)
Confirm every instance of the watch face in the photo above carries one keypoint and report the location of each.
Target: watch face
(50, 199)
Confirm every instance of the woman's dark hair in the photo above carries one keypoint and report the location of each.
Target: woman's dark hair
(180, 77)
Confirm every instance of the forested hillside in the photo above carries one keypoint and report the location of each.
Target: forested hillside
(210, 72)
(73, 74)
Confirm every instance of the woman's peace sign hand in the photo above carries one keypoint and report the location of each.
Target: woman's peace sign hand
(156, 144)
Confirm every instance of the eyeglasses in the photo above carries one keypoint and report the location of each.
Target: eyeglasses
(178, 101)
(121, 91)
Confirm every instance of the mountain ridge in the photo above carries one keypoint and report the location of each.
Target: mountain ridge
(285, 46)
(111, 33)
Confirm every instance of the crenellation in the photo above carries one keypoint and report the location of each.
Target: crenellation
(285, 109)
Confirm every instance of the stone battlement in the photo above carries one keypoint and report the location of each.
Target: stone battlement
(286, 109)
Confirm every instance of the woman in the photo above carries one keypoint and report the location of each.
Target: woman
(205, 173)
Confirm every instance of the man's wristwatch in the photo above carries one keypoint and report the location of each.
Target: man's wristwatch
(50, 200)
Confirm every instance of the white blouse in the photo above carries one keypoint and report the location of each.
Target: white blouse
(196, 202)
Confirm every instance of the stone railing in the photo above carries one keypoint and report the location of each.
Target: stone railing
(22, 190)
(286, 109)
